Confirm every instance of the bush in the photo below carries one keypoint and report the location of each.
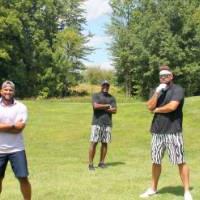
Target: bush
(95, 75)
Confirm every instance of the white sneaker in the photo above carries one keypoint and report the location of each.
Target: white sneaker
(187, 195)
(149, 192)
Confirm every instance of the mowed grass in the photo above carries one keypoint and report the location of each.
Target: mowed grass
(56, 140)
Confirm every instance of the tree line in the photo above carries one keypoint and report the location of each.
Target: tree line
(149, 33)
(42, 45)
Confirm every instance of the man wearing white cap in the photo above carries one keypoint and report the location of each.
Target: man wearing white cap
(104, 105)
(13, 116)
(166, 104)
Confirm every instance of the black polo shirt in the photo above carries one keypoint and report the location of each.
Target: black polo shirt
(102, 117)
(169, 123)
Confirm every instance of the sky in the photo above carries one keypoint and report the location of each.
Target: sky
(98, 15)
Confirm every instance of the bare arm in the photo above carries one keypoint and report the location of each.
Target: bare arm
(5, 127)
(98, 106)
(170, 107)
(18, 127)
(151, 104)
(13, 129)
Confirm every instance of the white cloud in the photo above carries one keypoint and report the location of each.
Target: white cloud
(96, 8)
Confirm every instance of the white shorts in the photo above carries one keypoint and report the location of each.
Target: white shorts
(100, 134)
(174, 145)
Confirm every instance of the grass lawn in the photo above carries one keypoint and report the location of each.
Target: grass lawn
(57, 146)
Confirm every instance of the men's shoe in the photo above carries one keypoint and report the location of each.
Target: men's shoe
(187, 195)
(91, 167)
(102, 165)
(149, 192)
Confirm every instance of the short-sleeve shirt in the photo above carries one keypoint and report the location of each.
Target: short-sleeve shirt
(102, 117)
(10, 142)
(169, 123)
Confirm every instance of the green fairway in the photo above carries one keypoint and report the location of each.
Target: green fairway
(56, 140)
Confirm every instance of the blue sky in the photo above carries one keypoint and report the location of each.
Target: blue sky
(97, 15)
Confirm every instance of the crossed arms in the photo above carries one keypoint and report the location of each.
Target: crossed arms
(170, 107)
(12, 128)
(107, 107)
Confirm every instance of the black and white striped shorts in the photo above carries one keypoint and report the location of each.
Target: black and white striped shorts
(174, 145)
(100, 134)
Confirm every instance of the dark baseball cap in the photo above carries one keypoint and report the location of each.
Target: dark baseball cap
(105, 82)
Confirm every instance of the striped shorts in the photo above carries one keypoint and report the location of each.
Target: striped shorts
(174, 145)
(100, 134)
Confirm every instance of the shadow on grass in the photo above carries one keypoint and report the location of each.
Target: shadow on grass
(115, 163)
(176, 190)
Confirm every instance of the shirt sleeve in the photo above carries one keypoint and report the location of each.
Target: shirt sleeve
(178, 94)
(95, 99)
(113, 103)
(22, 114)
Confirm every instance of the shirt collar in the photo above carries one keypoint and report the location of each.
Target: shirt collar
(1, 102)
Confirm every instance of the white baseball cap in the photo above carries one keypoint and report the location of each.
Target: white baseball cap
(8, 83)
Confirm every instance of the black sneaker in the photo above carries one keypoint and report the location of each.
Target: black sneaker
(102, 165)
(91, 167)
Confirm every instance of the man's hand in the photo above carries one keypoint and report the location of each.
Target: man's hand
(19, 125)
(161, 87)
(155, 110)
(111, 110)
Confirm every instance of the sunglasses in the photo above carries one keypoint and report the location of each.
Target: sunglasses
(164, 76)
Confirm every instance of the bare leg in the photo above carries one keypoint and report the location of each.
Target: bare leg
(184, 174)
(156, 171)
(25, 187)
(1, 180)
(104, 148)
(92, 151)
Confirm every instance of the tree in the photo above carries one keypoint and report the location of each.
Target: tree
(95, 75)
(160, 32)
(42, 45)
(120, 29)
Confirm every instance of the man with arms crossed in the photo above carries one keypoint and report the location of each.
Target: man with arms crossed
(104, 105)
(13, 116)
(166, 104)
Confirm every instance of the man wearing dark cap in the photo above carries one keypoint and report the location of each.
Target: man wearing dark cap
(13, 116)
(104, 105)
(166, 104)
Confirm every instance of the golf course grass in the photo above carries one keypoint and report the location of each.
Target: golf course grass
(56, 139)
